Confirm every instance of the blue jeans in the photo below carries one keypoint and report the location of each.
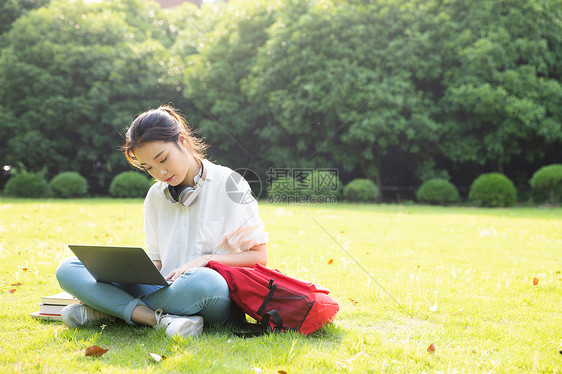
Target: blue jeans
(200, 291)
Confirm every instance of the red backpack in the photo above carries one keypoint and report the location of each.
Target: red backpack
(277, 302)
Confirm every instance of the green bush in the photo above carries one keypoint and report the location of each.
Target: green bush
(129, 184)
(438, 191)
(69, 184)
(322, 183)
(493, 190)
(361, 190)
(548, 180)
(27, 185)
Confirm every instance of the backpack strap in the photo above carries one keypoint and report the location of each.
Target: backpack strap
(274, 316)
(264, 327)
(272, 288)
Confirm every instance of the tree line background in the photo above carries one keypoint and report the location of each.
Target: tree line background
(397, 91)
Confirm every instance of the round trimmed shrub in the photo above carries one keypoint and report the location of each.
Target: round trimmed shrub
(438, 191)
(69, 184)
(548, 180)
(493, 190)
(27, 185)
(129, 184)
(361, 190)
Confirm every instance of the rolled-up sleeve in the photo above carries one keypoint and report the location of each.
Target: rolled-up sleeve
(249, 234)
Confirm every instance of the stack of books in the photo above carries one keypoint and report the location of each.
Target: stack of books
(51, 306)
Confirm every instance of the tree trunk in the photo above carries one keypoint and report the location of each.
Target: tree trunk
(378, 179)
(500, 165)
(372, 171)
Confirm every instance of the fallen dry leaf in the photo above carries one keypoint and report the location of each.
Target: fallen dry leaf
(473, 352)
(431, 348)
(156, 357)
(25, 269)
(330, 261)
(281, 372)
(12, 290)
(353, 300)
(535, 281)
(16, 284)
(95, 351)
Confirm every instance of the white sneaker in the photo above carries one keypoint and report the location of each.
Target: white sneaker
(78, 315)
(179, 325)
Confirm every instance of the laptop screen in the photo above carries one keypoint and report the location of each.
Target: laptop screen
(115, 264)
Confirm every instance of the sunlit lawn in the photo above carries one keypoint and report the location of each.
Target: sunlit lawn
(463, 278)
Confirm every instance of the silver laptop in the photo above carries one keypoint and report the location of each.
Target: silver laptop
(113, 264)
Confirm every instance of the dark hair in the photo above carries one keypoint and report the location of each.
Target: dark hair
(165, 124)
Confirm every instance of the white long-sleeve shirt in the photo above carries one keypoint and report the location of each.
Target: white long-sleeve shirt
(217, 223)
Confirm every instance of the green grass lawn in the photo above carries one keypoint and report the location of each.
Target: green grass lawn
(463, 278)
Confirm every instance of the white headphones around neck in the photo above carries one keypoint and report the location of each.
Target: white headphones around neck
(186, 195)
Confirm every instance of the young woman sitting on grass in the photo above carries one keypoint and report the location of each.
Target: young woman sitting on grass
(189, 220)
